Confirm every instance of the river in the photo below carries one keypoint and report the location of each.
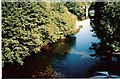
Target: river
(77, 62)
(67, 58)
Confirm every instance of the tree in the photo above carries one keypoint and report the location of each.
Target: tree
(27, 26)
(106, 21)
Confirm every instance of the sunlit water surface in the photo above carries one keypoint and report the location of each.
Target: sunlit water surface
(77, 62)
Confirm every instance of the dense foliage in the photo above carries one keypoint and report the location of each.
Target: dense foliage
(107, 26)
(77, 8)
(26, 27)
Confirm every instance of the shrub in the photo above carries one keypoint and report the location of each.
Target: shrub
(27, 26)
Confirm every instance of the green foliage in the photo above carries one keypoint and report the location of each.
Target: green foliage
(26, 27)
(112, 12)
(106, 20)
(77, 8)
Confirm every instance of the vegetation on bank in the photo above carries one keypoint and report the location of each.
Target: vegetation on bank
(27, 26)
(106, 21)
(77, 8)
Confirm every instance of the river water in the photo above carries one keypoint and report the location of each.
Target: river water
(77, 62)
(68, 58)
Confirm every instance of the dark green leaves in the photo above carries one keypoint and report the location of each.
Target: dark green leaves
(28, 26)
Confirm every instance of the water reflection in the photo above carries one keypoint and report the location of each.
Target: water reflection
(106, 29)
(107, 61)
(39, 65)
(63, 47)
(65, 58)
(77, 62)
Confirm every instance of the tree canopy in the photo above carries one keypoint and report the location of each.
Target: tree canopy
(106, 21)
(27, 26)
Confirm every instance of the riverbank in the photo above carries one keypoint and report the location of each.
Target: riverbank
(80, 24)
(25, 28)
(67, 58)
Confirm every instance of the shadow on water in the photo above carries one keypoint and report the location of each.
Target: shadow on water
(77, 62)
(65, 58)
(39, 65)
(106, 60)
(106, 29)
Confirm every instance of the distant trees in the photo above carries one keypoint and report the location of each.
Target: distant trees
(107, 26)
(27, 26)
(77, 8)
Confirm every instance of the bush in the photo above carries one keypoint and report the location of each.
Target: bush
(26, 27)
